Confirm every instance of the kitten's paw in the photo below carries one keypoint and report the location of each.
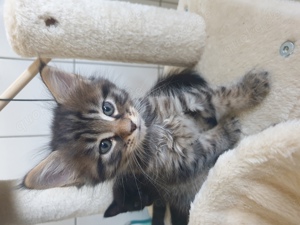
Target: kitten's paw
(257, 83)
(232, 128)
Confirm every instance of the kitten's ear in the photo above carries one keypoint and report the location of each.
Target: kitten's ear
(58, 82)
(113, 210)
(52, 172)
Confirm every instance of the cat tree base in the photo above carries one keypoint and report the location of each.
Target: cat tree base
(240, 35)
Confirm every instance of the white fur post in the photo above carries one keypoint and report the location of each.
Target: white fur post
(28, 207)
(104, 30)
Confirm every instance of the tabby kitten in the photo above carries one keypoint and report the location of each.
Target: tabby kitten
(173, 135)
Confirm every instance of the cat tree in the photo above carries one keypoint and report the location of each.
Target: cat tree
(255, 183)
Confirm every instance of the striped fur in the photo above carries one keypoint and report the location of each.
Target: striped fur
(172, 136)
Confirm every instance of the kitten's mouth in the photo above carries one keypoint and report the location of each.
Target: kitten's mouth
(138, 124)
(139, 133)
(141, 128)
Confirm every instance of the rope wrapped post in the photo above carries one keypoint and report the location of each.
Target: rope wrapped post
(104, 30)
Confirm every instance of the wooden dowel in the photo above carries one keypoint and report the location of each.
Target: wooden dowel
(21, 82)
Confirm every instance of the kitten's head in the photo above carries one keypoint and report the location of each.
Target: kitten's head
(95, 129)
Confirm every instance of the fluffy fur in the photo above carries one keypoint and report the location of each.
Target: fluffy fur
(256, 183)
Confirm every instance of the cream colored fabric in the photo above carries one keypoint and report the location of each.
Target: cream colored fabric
(256, 183)
(20, 206)
(247, 34)
(104, 30)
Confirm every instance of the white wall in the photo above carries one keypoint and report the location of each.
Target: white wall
(24, 126)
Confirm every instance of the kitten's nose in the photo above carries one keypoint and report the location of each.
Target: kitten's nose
(124, 128)
(133, 127)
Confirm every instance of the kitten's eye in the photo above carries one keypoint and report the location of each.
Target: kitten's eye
(108, 108)
(105, 146)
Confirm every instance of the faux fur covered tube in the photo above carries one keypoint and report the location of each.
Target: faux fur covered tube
(256, 183)
(26, 207)
(104, 30)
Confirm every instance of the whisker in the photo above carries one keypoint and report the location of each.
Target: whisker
(135, 180)
(147, 176)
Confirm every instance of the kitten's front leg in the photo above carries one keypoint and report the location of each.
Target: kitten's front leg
(159, 211)
(178, 217)
(216, 141)
(247, 93)
(131, 192)
(184, 152)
